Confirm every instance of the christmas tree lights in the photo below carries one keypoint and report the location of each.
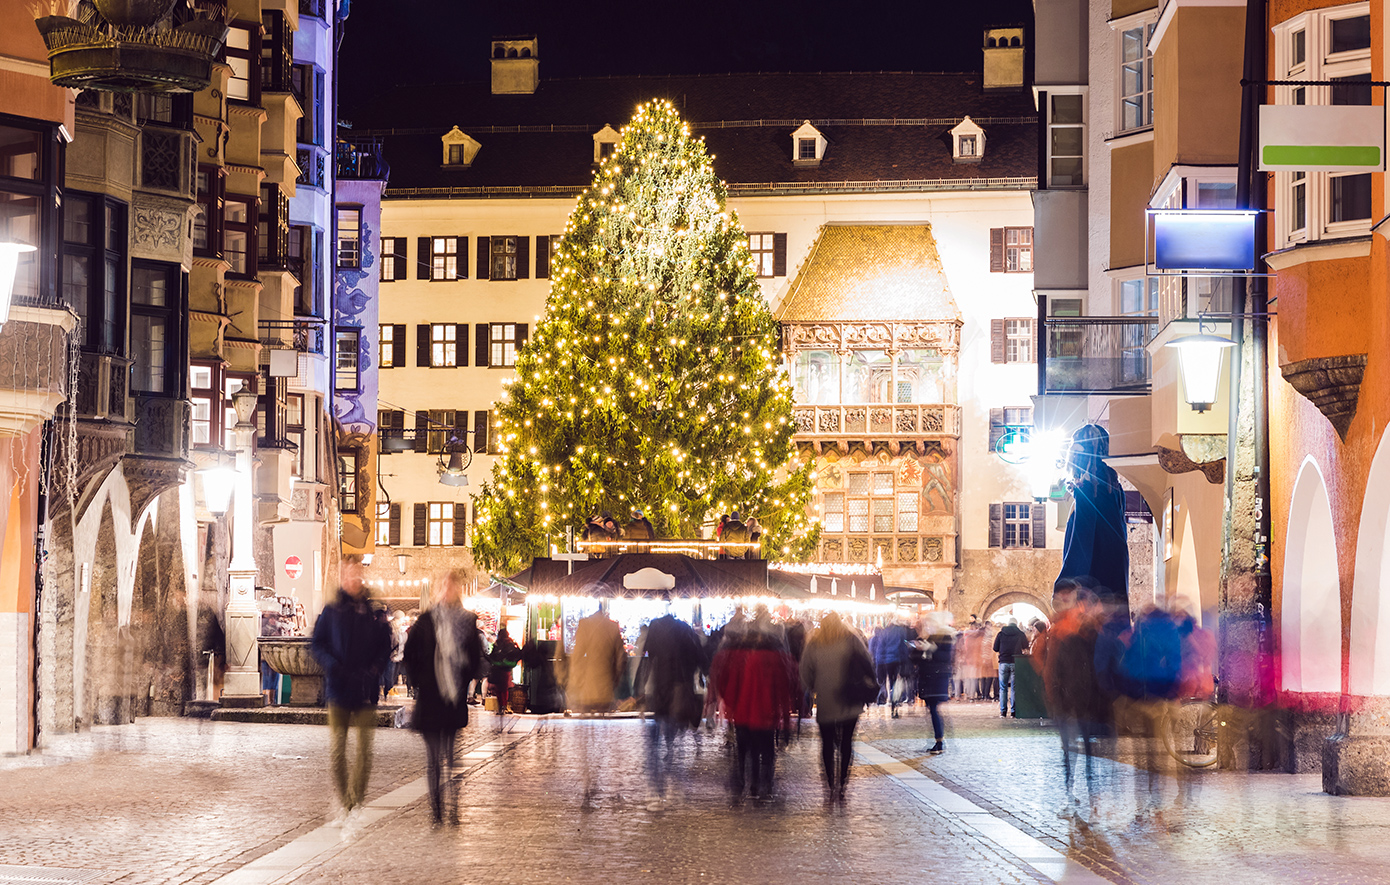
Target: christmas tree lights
(654, 380)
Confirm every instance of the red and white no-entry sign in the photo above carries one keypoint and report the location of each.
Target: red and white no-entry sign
(293, 567)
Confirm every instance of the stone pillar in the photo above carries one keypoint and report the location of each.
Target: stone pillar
(242, 687)
(1354, 759)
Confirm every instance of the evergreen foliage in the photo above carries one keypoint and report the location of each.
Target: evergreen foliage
(654, 379)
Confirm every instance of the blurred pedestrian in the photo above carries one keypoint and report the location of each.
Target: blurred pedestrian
(352, 645)
(504, 657)
(592, 672)
(754, 675)
(1096, 544)
(834, 665)
(891, 652)
(443, 652)
(1008, 643)
(671, 655)
(934, 678)
(1074, 697)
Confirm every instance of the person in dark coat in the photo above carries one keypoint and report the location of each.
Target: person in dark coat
(443, 652)
(833, 659)
(1096, 545)
(505, 655)
(1008, 644)
(1074, 696)
(639, 528)
(934, 679)
(352, 645)
(671, 656)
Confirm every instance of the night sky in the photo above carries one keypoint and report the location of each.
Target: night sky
(431, 41)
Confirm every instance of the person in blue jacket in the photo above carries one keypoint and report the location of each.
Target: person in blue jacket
(1096, 545)
(892, 654)
(353, 646)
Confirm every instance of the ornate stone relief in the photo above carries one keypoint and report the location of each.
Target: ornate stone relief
(158, 227)
(1174, 461)
(843, 336)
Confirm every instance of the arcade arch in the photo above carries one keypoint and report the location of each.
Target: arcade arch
(1369, 667)
(1311, 612)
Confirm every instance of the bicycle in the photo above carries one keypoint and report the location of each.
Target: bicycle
(1188, 728)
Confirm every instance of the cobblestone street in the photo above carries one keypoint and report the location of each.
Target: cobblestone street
(185, 801)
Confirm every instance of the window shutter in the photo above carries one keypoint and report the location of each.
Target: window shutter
(543, 258)
(461, 426)
(484, 255)
(422, 258)
(422, 427)
(523, 333)
(399, 248)
(461, 345)
(480, 432)
(422, 345)
(393, 527)
(996, 525)
(461, 247)
(1039, 515)
(421, 527)
(461, 522)
(779, 255)
(996, 250)
(523, 258)
(480, 350)
(996, 427)
(398, 343)
(997, 351)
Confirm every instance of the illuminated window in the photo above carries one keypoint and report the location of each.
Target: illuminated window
(440, 530)
(443, 345)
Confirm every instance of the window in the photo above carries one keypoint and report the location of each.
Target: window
(386, 347)
(273, 230)
(308, 86)
(346, 345)
(502, 338)
(1006, 420)
(833, 511)
(383, 524)
(1018, 524)
(350, 237)
(155, 339)
(808, 145)
(871, 503)
(546, 247)
(1136, 78)
(94, 246)
(207, 226)
(805, 148)
(347, 481)
(392, 259)
(207, 402)
(1331, 45)
(304, 249)
(243, 57)
(503, 265)
(441, 427)
(443, 345)
(1066, 141)
(294, 431)
(444, 258)
(969, 146)
(164, 108)
(277, 47)
(1011, 250)
(239, 229)
(272, 407)
(1011, 340)
(907, 511)
(763, 249)
(1138, 298)
(440, 530)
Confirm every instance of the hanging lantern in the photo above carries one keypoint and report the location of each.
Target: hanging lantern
(1199, 360)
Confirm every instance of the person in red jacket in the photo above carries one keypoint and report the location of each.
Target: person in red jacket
(755, 678)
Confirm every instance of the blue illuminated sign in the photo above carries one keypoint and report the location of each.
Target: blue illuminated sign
(1204, 239)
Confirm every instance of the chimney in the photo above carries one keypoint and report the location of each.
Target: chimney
(1003, 58)
(515, 68)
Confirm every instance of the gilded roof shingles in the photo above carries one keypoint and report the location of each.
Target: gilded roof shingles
(871, 272)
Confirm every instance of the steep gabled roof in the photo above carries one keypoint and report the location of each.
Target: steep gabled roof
(889, 129)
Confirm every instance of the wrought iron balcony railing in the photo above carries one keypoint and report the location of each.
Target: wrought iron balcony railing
(301, 335)
(363, 160)
(885, 420)
(1095, 354)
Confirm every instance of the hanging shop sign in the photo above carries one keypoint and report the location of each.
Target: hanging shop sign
(1322, 138)
(1209, 240)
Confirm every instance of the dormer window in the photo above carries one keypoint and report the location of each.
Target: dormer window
(605, 143)
(967, 142)
(808, 146)
(459, 149)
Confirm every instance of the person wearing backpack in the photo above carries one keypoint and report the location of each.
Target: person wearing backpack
(443, 653)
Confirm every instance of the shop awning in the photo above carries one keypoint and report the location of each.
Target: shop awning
(651, 576)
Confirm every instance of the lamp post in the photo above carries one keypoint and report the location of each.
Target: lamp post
(242, 687)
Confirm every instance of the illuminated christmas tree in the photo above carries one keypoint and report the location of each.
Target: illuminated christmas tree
(654, 379)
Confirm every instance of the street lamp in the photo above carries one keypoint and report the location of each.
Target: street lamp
(1199, 361)
(242, 687)
(402, 559)
(9, 269)
(219, 480)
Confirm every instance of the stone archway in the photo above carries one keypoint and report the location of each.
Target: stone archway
(1369, 667)
(1008, 597)
(1310, 613)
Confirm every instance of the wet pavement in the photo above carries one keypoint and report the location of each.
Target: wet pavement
(189, 801)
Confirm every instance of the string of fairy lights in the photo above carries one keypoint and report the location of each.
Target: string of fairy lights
(654, 380)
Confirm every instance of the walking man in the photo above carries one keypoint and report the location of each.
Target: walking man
(353, 646)
(1009, 642)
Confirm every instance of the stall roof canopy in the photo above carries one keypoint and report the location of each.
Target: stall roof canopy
(691, 577)
(797, 585)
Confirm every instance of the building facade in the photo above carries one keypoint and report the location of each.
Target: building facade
(890, 219)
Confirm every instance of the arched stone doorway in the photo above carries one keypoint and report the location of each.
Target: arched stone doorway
(1009, 597)
(1311, 612)
(1369, 667)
